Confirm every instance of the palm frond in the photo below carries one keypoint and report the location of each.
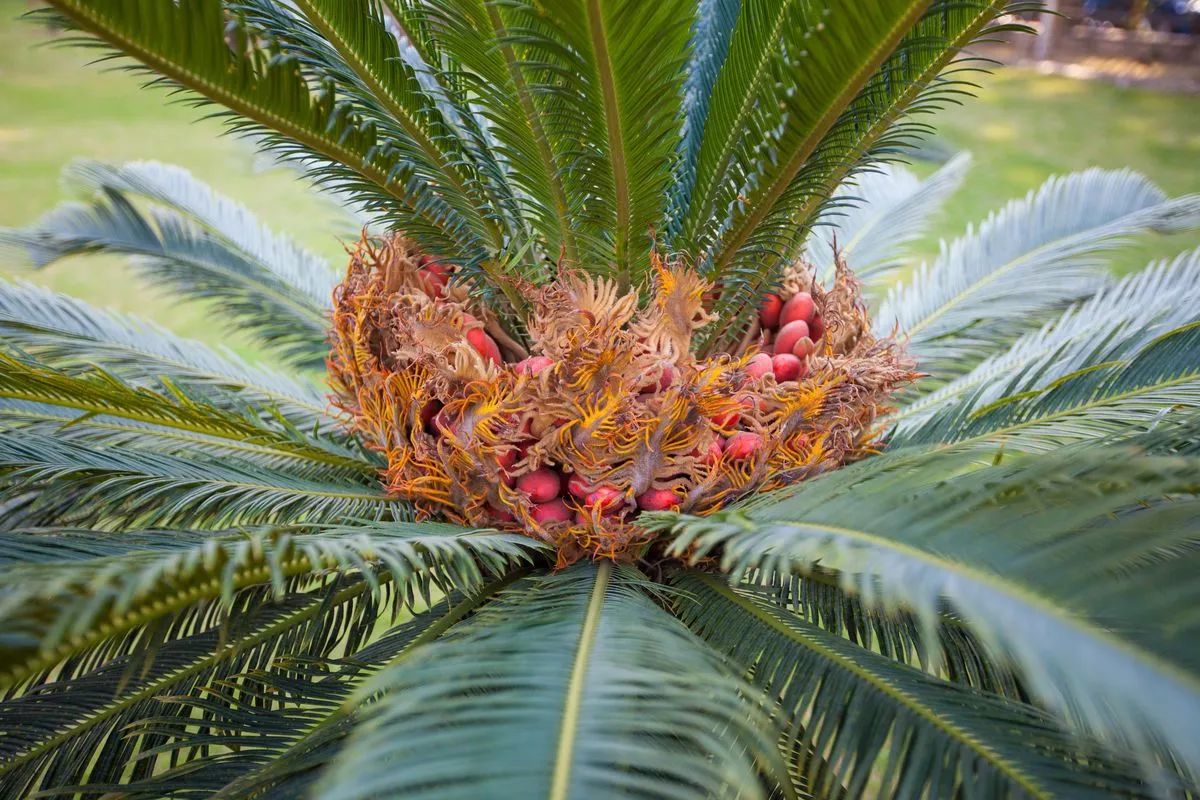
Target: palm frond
(49, 479)
(54, 610)
(872, 218)
(576, 685)
(1078, 576)
(874, 723)
(487, 61)
(956, 655)
(173, 251)
(174, 187)
(184, 46)
(1116, 322)
(68, 334)
(1099, 401)
(1033, 256)
(99, 397)
(283, 747)
(81, 728)
(711, 35)
(916, 76)
(608, 78)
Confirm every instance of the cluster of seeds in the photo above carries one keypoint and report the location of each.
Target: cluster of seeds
(608, 412)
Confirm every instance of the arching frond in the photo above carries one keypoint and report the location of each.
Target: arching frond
(98, 396)
(901, 732)
(874, 217)
(53, 480)
(89, 725)
(924, 71)
(185, 45)
(1111, 325)
(225, 219)
(1031, 257)
(55, 610)
(608, 80)
(282, 750)
(171, 250)
(577, 685)
(68, 334)
(1099, 401)
(1051, 561)
(711, 35)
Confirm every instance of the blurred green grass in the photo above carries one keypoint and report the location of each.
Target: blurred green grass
(55, 107)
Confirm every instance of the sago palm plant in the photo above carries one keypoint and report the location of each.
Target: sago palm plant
(618, 487)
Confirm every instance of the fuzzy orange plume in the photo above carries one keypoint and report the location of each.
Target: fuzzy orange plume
(565, 446)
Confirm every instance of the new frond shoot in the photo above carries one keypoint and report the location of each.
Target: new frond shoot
(608, 412)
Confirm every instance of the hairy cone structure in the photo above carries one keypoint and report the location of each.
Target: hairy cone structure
(612, 413)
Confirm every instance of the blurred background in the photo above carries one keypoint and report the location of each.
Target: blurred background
(1111, 83)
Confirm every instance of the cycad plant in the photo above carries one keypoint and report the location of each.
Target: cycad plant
(631, 476)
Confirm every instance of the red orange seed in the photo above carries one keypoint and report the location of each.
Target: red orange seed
(657, 500)
(790, 334)
(550, 512)
(542, 485)
(798, 307)
(742, 445)
(787, 367)
(533, 365)
(768, 312)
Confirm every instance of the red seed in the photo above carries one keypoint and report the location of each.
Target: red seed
(551, 512)
(787, 367)
(439, 269)
(798, 307)
(727, 420)
(816, 327)
(484, 345)
(768, 312)
(790, 334)
(605, 498)
(658, 500)
(715, 448)
(577, 485)
(542, 485)
(804, 348)
(533, 365)
(759, 366)
(742, 445)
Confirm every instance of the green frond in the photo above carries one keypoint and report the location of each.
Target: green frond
(82, 727)
(711, 36)
(182, 255)
(760, 215)
(1052, 561)
(184, 45)
(50, 479)
(890, 730)
(348, 46)
(573, 685)
(1098, 401)
(607, 78)
(55, 610)
(68, 334)
(1110, 326)
(872, 218)
(488, 61)
(95, 398)
(1030, 258)
(957, 656)
(304, 732)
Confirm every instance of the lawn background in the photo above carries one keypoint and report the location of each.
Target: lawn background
(54, 107)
